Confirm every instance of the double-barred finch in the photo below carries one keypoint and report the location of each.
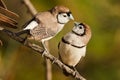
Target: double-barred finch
(72, 47)
(46, 25)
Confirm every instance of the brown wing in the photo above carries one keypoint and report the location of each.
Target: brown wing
(39, 32)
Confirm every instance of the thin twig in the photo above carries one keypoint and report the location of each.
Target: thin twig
(48, 66)
(48, 69)
(30, 7)
(40, 50)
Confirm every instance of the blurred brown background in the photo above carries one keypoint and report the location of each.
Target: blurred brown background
(102, 61)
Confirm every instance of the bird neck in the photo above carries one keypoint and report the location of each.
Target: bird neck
(67, 42)
(78, 34)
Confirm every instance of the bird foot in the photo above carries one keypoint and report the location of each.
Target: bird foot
(75, 71)
(54, 61)
(45, 52)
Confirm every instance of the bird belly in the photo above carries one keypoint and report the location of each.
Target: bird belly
(71, 55)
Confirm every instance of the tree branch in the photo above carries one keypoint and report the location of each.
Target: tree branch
(30, 7)
(40, 50)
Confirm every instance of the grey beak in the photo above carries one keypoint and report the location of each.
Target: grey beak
(76, 23)
(71, 17)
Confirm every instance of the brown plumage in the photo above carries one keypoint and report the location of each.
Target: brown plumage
(59, 9)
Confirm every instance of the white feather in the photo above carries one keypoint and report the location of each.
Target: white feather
(31, 25)
(74, 39)
(71, 55)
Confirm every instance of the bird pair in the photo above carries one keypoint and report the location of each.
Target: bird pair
(46, 25)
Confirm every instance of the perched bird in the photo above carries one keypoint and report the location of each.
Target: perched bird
(72, 47)
(45, 25)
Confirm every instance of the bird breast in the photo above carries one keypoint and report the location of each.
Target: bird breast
(71, 55)
(74, 39)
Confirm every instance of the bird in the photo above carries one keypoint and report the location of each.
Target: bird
(45, 25)
(72, 46)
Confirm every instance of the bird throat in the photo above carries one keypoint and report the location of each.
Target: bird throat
(78, 34)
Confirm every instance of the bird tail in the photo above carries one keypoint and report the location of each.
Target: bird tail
(22, 32)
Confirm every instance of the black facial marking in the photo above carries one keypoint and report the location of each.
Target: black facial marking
(67, 42)
(57, 19)
(68, 13)
(82, 24)
(60, 12)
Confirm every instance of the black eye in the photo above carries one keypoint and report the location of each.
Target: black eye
(64, 15)
(81, 27)
(59, 13)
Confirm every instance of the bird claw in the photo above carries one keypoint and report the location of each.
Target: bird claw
(45, 52)
(75, 71)
(54, 61)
